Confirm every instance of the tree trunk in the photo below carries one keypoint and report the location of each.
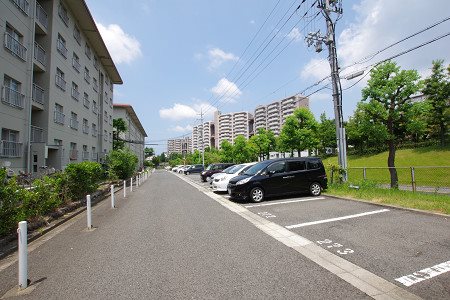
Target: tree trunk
(391, 165)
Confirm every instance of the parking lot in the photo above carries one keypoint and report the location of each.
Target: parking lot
(410, 249)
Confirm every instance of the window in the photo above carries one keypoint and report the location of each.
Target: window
(85, 153)
(277, 167)
(23, 5)
(10, 146)
(62, 12)
(86, 101)
(77, 34)
(75, 93)
(11, 93)
(14, 42)
(60, 82)
(57, 142)
(313, 164)
(296, 165)
(87, 77)
(73, 154)
(73, 121)
(95, 63)
(87, 51)
(106, 116)
(85, 126)
(110, 137)
(105, 135)
(61, 46)
(94, 107)
(110, 120)
(95, 84)
(59, 115)
(76, 62)
(94, 154)
(94, 129)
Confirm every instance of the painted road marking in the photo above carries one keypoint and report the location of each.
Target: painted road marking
(284, 202)
(337, 219)
(425, 274)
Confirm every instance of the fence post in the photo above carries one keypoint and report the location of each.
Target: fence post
(23, 255)
(131, 184)
(124, 188)
(364, 173)
(413, 179)
(89, 211)
(332, 174)
(112, 196)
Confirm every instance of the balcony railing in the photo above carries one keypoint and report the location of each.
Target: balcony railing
(94, 156)
(95, 86)
(87, 77)
(61, 48)
(95, 109)
(77, 36)
(41, 15)
(39, 54)
(59, 117)
(105, 137)
(86, 129)
(60, 82)
(73, 154)
(15, 47)
(63, 14)
(12, 97)
(10, 149)
(23, 5)
(75, 94)
(94, 131)
(74, 123)
(85, 155)
(86, 103)
(37, 134)
(38, 94)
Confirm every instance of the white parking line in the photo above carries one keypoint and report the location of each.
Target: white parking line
(424, 274)
(337, 219)
(284, 202)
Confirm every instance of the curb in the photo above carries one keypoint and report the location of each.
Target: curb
(415, 210)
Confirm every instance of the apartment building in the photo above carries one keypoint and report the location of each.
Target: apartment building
(242, 124)
(181, 145)
(135, 135)
(203, 136)
(225, 128)
(57, 85)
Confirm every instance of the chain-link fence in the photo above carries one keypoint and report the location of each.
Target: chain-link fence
(425, 179)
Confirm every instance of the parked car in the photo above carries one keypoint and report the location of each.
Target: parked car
(213, 169)
(279, 177)
(175, 169)
(182, 169)
(219, 181)
(194, 169)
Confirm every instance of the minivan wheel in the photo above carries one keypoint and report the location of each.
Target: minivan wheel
(208, 178)
(315, 189)
(187, 173)
(257, 194)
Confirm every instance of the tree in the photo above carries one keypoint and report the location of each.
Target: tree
(149, 152)
(241, 151)
(261, 142)
(391, 88)
(119, 126)
(288, 140)
(156, 160)
(418, 116)
(121, 163)
(437, 90)
(226, 151)
(326, 133)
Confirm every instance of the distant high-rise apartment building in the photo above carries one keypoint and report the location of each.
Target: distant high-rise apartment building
(57, 80)
(203, 136)
(180, 145)
(135, 134)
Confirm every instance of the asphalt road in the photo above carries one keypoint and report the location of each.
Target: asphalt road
(391, 243)
(168, 240)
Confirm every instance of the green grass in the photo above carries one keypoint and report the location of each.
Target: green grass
(423, 201)
(433, 157)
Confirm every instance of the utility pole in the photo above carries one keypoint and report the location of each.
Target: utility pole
(203, 144)
(328, 7)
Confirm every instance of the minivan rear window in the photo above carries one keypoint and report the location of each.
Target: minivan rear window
(314, 164)
(296, 165)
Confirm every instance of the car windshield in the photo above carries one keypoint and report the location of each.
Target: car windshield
(233, 169)
(209, 167)
(243, 170)
(253, 170)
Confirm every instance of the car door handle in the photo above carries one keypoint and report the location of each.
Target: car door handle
(286, 177)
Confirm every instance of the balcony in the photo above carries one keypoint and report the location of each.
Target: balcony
(77, 35)
(59, 117)
(95, 109)
(85, 155)
(73, 123)
(62, 12)
(86, 103)
(15, 47)
(87, 78)
(41, 16)
(61, 48)
(75, 94)
(76, 65)
(37, 134)
(10, 149)
(23, 5)
(60, 82)
(12, 97)
(38, 94)
(39, 55)
(94, 132)
(95, 86)
(85, 129)
(73, 154)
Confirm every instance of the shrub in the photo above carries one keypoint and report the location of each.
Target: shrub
(121, 164)
(12, 196)
(43, 198)
(82, 178)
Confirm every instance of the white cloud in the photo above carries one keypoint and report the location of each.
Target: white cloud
(178, 112)
(217, 57)
(316, 69)
(295, 34)
(181, 129)
(123, 47)
(227, 90)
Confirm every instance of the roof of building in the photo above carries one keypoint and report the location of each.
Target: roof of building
(133, 116)
(87, 25)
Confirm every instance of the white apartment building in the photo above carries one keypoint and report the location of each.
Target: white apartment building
(181, 145)
(57, 80)
(203, 134)
(225, 128)
(135, 135)
(242, 124)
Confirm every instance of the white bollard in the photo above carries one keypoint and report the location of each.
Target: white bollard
(23, 255)
(89, 211)
(124, 188)
(112, 196)
(131, 184)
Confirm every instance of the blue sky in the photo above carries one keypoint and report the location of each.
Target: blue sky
(175, 56)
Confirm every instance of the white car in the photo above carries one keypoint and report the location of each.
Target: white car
(183, 168)
(220, 181)
(175, 169)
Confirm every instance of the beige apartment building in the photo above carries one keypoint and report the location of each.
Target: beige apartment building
(57, 82)
(135, 135)
(180, 145)
(203, 136)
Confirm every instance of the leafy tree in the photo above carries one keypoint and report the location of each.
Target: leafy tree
(119, 126)
(241, 151)
(149, 152)
(418, 115)
(226, 151)
(212, 155)
(263, 142)
(156, 160)
(162, 157)
(326, 133)
(437, 90)
(122, 163)
(288, 139)
(391, 88)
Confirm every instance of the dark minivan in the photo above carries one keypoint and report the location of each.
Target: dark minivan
(280, 177)
(194, 169)
(213, 169)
